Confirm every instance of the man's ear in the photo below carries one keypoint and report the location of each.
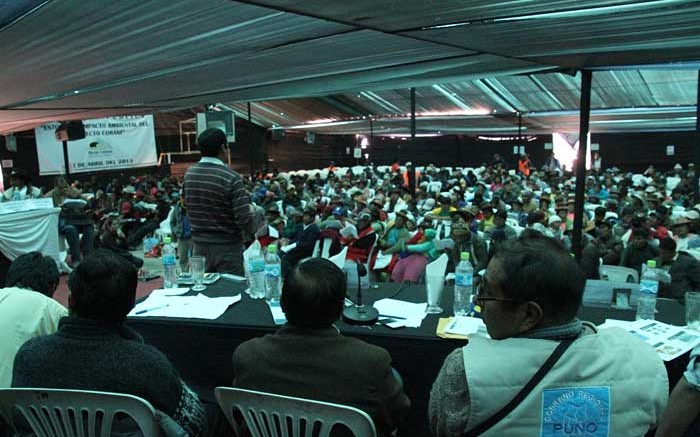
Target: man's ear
(532, 316)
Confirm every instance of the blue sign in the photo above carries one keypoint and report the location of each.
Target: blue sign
(576, 412)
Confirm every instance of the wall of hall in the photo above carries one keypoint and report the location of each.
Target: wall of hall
(629, 152)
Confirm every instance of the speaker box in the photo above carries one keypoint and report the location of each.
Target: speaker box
(70, 131)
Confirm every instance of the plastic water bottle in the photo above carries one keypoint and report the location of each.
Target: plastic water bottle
(273, 275)
(169, 264)
(256, 271)
(649, 289)
(464, 282)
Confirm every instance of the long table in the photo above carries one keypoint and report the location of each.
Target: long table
(201, 350)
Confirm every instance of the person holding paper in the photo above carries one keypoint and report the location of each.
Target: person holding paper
(304, 242)
(309, 357)
(94, 350)
(529, 298)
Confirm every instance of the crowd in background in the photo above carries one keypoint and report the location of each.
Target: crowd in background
(407, 216)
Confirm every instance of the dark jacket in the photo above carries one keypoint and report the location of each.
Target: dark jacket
(634, 258)
(89, 355)
(685, 276)
(322, 364)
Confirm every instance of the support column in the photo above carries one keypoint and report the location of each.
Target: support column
(412, 171)
(250, 143)
(695, 183)
(580, 170)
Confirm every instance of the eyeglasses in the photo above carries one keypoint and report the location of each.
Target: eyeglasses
(479, 297)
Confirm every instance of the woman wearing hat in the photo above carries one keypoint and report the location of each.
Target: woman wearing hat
(681, 233)
(416, 253)
(395, 237)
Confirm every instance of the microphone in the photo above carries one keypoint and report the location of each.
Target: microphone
(358, 314)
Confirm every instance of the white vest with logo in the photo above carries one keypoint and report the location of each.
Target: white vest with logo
(608, 384)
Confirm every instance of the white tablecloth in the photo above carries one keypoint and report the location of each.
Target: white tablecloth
(24, 232)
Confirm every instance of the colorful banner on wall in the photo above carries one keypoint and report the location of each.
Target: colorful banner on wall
(109, 144)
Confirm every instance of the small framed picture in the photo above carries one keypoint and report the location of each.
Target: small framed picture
(621, 298)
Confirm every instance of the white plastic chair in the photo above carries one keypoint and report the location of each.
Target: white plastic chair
(434, 187)
(270, 415)
(339, 258)
(70, 413)
(618, 273)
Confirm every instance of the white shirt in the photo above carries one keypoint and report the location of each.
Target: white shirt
(24, 314)
(212, 160)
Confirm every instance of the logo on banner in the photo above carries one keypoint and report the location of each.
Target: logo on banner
(576, 412)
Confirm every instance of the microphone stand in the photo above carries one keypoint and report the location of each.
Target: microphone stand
(358, 314)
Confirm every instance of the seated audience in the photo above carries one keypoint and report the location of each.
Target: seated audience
(309, 358)
(638, 251)
(95, 350)
(305, 240)
(74, 220)
(27, 307)
(529, 299)
(683, 268)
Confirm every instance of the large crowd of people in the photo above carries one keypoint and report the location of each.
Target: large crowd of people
(516, 224)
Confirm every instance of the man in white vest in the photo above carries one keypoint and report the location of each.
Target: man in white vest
(603, 383)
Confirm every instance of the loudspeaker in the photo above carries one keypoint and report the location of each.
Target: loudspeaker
(70, 131)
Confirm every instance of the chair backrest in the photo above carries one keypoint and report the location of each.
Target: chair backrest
(271, 415)
(71, 413)
(317, 249)
(326, 248)
(339, 258)
(619, 273)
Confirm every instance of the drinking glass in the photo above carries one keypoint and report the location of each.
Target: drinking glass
(434, 284)
(197, 264)
(692, 310)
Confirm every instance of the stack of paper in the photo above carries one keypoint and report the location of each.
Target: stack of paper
(466, 326)
(166, 303)
(411, 314)
(669, 341)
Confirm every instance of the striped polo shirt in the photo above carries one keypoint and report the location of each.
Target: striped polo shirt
(217, 202)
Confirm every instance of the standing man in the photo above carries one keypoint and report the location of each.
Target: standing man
(218, 205)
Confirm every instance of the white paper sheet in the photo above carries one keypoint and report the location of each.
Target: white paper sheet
(669, 341)
(272, 232)
(445, 243)
(169, 291)
(412, 314)
(382, 261)
(188, 307)
(467, 326)
(349, 231)
(288, 247)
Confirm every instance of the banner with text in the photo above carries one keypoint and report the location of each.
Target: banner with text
(109, 144)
